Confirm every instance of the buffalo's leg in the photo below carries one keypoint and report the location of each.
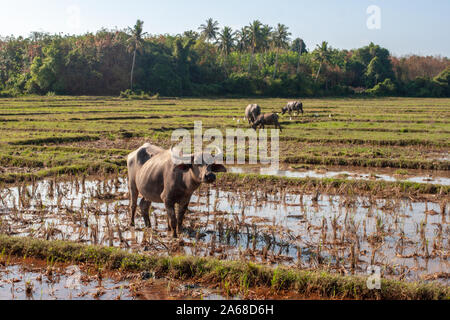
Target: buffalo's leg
(279, 126)
(145, 207)
(181, 212)
(169, 225)
(172, 219)
(134, 194)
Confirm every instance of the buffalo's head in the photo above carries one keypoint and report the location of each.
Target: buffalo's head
(202, 165)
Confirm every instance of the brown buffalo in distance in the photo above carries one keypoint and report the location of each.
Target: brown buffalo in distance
(293, 106)
(252, 112)
(267, 119)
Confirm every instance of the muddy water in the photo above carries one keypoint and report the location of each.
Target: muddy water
(25, 283)
(28, 281)
(407, 240)
(419, 176)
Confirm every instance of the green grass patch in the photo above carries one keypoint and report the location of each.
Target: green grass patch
(54, 140)
(332, 185)
(94, 168)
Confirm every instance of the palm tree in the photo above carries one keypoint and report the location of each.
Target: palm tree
(191, 34)
(265, 41)
(266, 37)
(280, 41)
(135, 43)
(242, 42)
(242, 39)
(226, 42)
(254, 33)
(181, 52)
(209, 29)
(322, 55)
(299, 46)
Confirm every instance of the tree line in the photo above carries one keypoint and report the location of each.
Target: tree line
(258, 60)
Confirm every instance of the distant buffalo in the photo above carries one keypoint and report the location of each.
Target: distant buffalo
(293, 106)
(252, 113)
(267, 119)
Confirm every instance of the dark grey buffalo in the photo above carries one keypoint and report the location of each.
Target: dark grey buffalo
(154, 174)
(267, 119)
(252, 113)
(293, 106)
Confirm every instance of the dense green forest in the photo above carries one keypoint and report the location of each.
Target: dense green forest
(212, 61)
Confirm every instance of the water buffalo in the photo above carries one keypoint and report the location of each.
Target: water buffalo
(252, 113)
(293, 106)
(267, 119)
(154, 174)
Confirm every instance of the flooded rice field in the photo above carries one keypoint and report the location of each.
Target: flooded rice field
(407, 240)
(33, 282)
(377, 174)
(40, 280)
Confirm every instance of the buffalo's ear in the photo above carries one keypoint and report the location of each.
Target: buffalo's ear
(183, 167)
(218, 168)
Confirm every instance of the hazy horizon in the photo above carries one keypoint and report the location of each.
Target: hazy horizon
(407, 27)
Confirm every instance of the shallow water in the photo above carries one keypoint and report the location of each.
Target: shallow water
(345, 234)
(432, 177)
(70, 283)
(15, 279)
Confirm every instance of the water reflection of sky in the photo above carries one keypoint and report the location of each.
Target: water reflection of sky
(343, 174)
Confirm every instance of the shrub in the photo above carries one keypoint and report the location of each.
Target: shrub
(385, 88)
(10, 93)
(443, 80)
(139, 95)
(239, 83)
(200, 90)
(424, 87)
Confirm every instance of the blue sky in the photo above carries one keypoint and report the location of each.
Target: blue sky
(407, 27)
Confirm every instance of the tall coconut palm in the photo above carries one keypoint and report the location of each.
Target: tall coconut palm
(298, 46)
(321, 55)
(135, 43)
(254, 33)
(209, 29)
(265, 42)
(266, 37)
(226, 43)
(280, 41)
(242, 42)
